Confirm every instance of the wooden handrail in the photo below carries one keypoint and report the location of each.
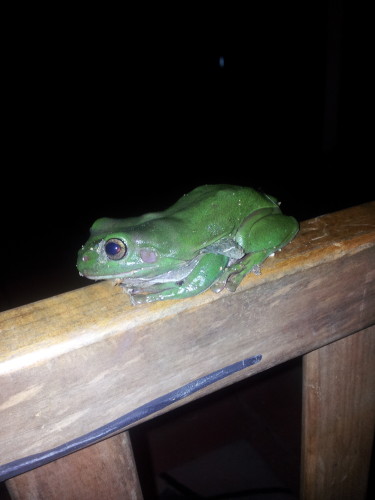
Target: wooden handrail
(84, 365)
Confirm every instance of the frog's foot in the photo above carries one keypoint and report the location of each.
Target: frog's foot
(149, 289)
(138, 299)
(141, 295)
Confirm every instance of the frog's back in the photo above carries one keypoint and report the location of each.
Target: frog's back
(220, 208)
(207, 214)
(215, 201)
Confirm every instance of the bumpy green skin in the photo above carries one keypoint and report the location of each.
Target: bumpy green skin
(212, 237)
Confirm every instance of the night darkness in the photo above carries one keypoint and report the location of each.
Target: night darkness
(116, 114)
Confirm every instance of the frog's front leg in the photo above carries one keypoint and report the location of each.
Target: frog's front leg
(209, 267)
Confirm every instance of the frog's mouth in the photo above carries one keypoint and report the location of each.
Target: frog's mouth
(131, 278)
(128, 274)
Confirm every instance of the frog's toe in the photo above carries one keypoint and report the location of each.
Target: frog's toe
(235, 279)
(136, 299)
(218, 286)
(256, 270)
(232, 284)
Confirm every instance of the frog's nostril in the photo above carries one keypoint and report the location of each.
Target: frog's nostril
(85, 258)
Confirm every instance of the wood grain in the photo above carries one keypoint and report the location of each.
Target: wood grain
(75, 362)
(338, 418)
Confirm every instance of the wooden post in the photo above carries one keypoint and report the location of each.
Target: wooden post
(105, 470)
(338, 418)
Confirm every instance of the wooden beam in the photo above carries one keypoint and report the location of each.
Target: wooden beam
(338, 418)
(104, 470)
(78, 367)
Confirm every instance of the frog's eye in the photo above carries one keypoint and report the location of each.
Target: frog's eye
(115, 249)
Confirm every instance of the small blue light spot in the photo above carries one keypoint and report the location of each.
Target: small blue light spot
(221, 62)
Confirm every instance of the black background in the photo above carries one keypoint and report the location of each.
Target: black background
(117, 113)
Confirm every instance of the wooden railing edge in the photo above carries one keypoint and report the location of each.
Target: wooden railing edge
(74, 386)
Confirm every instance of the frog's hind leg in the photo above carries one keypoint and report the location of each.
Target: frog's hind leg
(250, 263)
(264, 238)
(235, 274)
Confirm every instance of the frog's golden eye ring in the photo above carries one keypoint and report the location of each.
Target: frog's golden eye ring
(115, 249)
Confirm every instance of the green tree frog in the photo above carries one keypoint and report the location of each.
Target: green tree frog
(210, 238)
